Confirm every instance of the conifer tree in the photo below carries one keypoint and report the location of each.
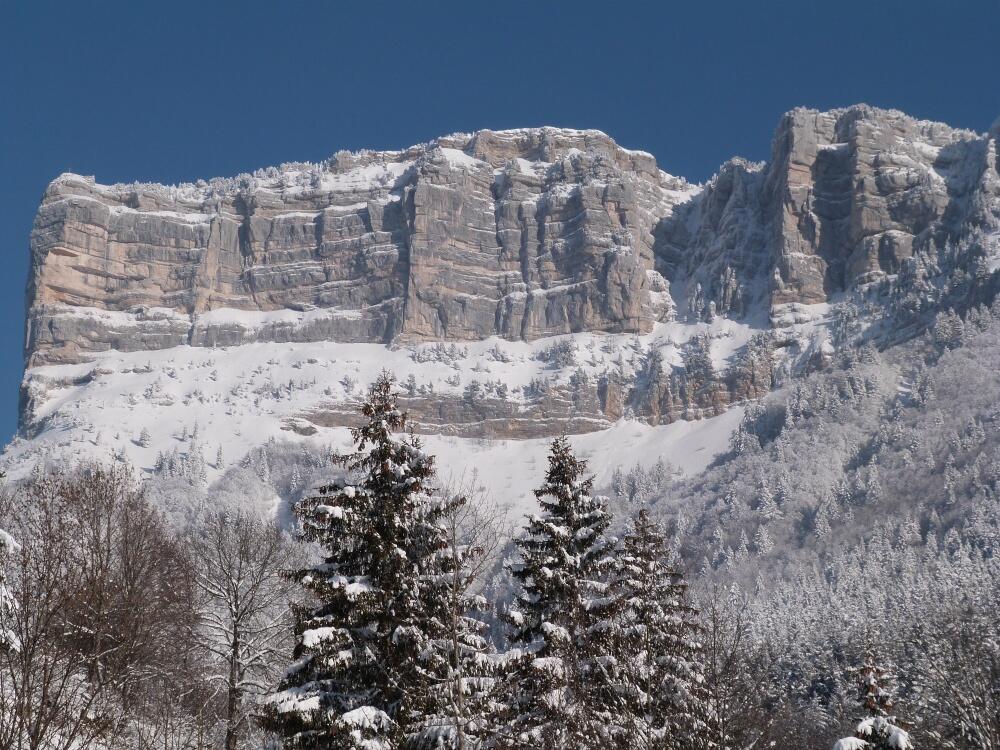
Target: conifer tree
(662, 655)
(878, 728)
(762, 542)
(560, 691)
(371, 659)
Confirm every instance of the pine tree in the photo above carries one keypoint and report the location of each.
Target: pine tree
(662, 653)
(878, 728)
(742, 553)
(371, 658)
(873, 486)
(762, 542)
(472, 531)
(262, 466)
(821, 520)
(560, 691)
(766, 505)
(144, 438)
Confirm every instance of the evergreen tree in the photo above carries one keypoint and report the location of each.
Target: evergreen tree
(371, 660)
(762, 542)
(766, 504)
(561, 687)
(742, 553)
(878, 728)
(662, 653)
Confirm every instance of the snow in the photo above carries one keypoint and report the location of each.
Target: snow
(7, 543)
(294, 700)
(251, 321)
(531, 167)
(850, 743)
(992, 244)
(690, 446)
(239, 397)
(315, 637)
(461, 159)
(366, 177)
(118, 319)
(189, 217)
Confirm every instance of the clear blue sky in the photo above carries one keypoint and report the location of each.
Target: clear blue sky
(173, 91)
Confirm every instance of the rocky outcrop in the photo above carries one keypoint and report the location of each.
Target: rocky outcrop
(657, 395)
(847, 196)
(520, 234)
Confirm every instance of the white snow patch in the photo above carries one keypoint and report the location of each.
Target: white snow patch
(460, 159)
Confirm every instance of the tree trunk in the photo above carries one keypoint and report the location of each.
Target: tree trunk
(233, 703)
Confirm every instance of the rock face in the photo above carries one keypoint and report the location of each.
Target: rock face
(524, 234)
(847, 196)
(519, 234)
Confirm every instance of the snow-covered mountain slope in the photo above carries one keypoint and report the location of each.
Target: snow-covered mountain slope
(520, 284)
(207, 408)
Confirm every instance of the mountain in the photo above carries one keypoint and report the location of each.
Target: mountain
(520, 283)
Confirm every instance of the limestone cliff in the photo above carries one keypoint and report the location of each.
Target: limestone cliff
(520, 234)
(862, 220)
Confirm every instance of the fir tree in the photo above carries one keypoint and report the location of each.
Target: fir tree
(371, 658)
(560, 691)
(762, 542)
(877, 729)
(662, 654)
(742, 553)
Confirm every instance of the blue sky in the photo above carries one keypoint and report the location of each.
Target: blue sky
(174, 91)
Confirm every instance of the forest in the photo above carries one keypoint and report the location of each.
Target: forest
(831, 582)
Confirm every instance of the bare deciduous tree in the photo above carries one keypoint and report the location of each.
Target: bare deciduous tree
(476, 530)
(101, 602)
(245, 620)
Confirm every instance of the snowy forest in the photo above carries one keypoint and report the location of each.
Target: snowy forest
(830, 582)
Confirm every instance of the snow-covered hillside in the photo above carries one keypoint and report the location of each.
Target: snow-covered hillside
(221, 403)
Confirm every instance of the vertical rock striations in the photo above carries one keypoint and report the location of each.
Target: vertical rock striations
(519, 234)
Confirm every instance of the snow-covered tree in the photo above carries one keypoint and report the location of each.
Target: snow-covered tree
(878, 729)
(243, 609)
(762, 542)
(8, 605)
(661, 651)
(474, 532)
(295, 480)
(371, 658)
(561, 688)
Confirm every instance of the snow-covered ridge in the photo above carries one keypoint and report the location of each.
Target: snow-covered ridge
(360, 170)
